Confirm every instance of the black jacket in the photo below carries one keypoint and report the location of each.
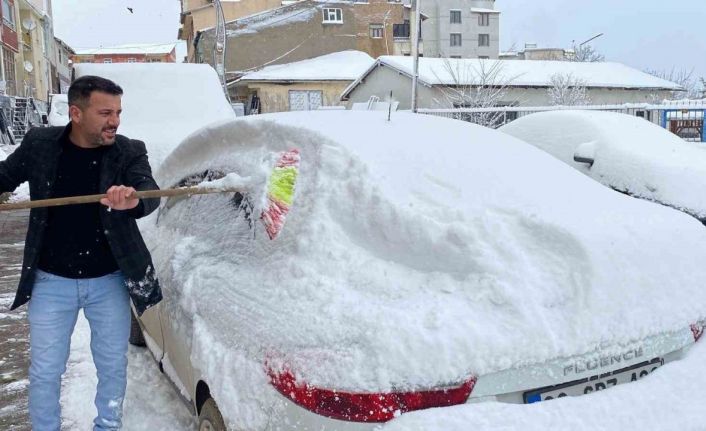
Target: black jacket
(124, 163)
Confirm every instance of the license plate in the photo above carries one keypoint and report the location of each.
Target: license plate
(595, 383)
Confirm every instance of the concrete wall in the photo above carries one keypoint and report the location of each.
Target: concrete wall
(203, 15)
(252, 45)
(274, 97)
(436, 30)
(383, 79)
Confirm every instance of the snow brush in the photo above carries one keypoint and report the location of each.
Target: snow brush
(281, 185)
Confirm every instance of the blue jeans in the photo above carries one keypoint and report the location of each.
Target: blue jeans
(53, 311)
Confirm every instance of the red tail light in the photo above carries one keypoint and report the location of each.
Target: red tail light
(366, 407)
(697, 329)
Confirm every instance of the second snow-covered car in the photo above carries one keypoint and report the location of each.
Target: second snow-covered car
(623, 152)
(425, 262)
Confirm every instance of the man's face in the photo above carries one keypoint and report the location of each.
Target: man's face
(98, 122)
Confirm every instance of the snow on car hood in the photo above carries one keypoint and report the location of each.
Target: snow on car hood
(631, 154)
(418, 251)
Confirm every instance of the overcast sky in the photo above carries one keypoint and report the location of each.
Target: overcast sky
(642, 34)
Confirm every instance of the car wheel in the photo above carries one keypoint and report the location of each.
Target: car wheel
(210, 418)
(136, 337)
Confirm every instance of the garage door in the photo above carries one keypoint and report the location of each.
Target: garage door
(300, 100)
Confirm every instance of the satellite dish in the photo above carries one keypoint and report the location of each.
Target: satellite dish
(29, 24)
(28, 66)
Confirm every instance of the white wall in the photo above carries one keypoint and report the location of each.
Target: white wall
(383, 79)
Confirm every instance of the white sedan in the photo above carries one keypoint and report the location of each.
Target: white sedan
(425, 262)
(623, 152)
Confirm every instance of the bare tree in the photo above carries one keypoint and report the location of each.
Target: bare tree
(682, 77)
(567, 90)
(585, 53)
(476, 84)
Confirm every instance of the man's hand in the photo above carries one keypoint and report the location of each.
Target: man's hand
(118, 198)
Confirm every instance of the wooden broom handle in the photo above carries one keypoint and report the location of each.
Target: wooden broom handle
(73, 200)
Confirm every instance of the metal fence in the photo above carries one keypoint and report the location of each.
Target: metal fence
(684, 118)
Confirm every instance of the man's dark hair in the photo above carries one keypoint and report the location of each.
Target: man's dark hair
(81, 89)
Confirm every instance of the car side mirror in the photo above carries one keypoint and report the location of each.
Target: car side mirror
(45, 120)
(585, 153)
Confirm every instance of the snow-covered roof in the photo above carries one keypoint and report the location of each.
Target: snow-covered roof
(134, 48)
(513, 73)
(338, 66)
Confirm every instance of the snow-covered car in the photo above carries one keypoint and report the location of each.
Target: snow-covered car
(623, 152)
(425, 262)
(163, 103)
(58, 110)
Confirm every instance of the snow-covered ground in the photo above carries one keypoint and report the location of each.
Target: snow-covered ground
(22, 192)
(672, 398)
(150, 403)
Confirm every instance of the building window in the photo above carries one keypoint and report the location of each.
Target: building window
(483, 40)
(484, 57)
(9, 63)
(8, 14)
(107, 60)
(301, 100)
(333, 16)
(455, 17)
(132, 60)
(154, 60)
(455, 56)
(484, 19)
(401, 30)
(455, 39)
(376, 31)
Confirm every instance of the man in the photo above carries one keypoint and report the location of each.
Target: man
(88, 256)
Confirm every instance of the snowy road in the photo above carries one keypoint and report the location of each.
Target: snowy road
(150, 403)
(14, 339)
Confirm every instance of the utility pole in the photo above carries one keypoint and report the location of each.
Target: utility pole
(415, 51)
(219, 47)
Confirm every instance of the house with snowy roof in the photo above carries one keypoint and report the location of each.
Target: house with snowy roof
(132, 53)
(301, 85)
(307, 29)
(523, 83)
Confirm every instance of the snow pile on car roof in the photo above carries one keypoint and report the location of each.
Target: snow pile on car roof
(418, 251)
(630, 154)
(164, 102)
(3, 156)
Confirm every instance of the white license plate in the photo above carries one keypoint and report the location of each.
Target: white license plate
(593, 384)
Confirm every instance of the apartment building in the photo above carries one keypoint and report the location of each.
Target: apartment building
(461, 29)
(10, 48)
(198, 15)
(133, 53)
(303, 30)
(31, 64)
(62, 55)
